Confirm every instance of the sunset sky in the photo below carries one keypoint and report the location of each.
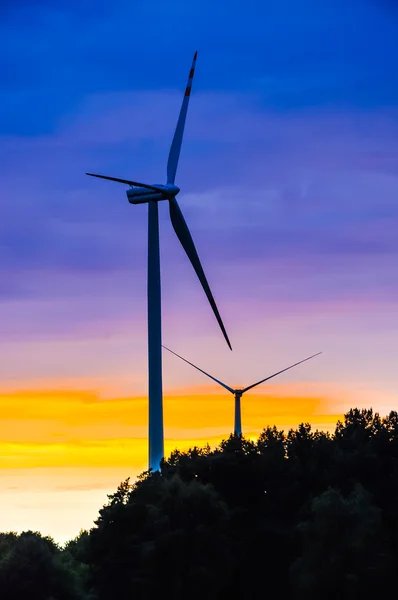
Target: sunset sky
(289, 179)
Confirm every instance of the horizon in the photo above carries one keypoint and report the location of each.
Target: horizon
(288, 183)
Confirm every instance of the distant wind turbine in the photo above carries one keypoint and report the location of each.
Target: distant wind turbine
(239, 392)
(142, 193)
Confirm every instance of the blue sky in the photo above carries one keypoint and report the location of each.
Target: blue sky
(296, 56)
(288, 164)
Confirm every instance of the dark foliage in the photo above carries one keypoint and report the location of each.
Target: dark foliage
(32, 566)
(303, 514)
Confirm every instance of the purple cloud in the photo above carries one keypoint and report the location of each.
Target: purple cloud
(293, 194)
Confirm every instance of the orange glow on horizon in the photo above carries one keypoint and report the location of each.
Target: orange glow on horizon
(79, 428)
(62, 450)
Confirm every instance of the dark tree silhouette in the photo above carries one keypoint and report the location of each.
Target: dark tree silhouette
(303, 513)
(161, 534)
(31, 566)
(344, 554)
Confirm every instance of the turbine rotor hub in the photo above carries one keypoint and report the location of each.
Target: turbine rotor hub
(171, 190)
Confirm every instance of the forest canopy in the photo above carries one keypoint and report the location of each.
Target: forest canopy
(305, 513)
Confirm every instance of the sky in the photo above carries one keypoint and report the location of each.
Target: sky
(289, 184)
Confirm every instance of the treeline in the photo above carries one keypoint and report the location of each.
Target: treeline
(303, 514)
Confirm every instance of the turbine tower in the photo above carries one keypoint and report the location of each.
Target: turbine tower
(143, 193)
(239, 392)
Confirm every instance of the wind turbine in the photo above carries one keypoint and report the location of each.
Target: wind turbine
(143, 193)
(239, 392)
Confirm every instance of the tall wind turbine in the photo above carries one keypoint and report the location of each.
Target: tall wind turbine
(143, 193)
(239, 392)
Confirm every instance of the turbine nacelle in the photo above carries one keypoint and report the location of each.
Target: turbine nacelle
(158, 192)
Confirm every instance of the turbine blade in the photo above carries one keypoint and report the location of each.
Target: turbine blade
(201, 370)
(175, 147)
(278, 373)
(183, 234)
(127, 182)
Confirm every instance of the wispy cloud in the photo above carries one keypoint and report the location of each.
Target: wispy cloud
(297, 181)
